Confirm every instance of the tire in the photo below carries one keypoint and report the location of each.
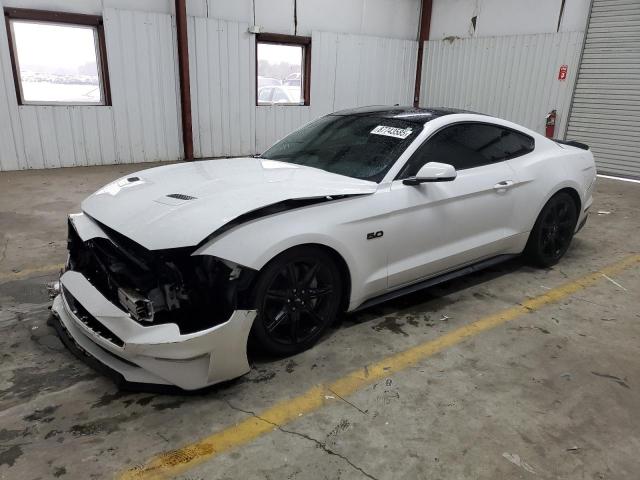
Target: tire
(298, 296)
(553, 231)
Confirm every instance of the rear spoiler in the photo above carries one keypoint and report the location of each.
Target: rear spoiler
(572, 143)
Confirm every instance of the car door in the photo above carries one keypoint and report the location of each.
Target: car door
(441, 226)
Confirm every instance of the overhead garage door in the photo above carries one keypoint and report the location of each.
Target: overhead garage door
(605, 112)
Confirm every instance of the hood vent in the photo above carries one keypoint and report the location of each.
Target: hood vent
(181, 196)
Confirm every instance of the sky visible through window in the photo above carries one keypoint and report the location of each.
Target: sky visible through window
(280, 73)
(58, 63)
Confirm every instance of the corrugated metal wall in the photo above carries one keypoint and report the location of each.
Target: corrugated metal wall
(513, 77)
(141, 48)
(374, 71)
(222, 66)
(274, 122)
(606, 106)
(346, 71)
(142, 125)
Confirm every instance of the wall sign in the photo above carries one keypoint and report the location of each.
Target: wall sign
(562, 74)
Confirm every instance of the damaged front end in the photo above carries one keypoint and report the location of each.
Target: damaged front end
(156, 287)
(163, 316)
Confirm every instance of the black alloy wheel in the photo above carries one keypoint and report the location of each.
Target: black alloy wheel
(298, 296)
(553, 230)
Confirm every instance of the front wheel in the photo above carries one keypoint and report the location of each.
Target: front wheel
(297, 296)
(552, 233)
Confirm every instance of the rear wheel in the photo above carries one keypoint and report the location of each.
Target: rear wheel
(552, 233)
(297, 296)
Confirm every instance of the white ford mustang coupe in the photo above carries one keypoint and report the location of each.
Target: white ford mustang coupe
(172, 270)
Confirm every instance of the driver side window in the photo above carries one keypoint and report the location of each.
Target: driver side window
(469, 145)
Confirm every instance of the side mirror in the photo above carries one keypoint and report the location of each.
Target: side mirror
(432, 172)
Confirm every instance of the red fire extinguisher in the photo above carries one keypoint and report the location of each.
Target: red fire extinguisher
(550, 124)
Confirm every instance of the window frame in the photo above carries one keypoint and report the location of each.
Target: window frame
(64, 19)
(288, 40)
(401, 173)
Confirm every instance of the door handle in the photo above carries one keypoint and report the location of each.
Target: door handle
(503, 185)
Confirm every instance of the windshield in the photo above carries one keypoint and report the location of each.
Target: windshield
(362, 147)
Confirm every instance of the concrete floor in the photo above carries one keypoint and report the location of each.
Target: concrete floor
(552, 394)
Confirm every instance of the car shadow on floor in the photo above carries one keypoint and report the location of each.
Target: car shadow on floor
(431, 300)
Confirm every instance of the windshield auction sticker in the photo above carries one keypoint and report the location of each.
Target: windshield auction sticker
(391, 131)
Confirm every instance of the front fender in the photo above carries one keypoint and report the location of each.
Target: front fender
(253, 247)
(338, 226)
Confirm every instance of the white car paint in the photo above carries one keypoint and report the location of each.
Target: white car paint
(157, 354)
(222, 190)
(421, 238)
(429, 229)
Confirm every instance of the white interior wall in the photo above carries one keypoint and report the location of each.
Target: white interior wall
(384, 18)
(373, 63)
(512, 77)
(368, 58)
(379, 18)
(452, 18)
(346, 71)
(141, 125)
(222, 69)
(508, 64)
(95, 7)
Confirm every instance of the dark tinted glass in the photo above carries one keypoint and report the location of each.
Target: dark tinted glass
(356, 146)
(469, 145)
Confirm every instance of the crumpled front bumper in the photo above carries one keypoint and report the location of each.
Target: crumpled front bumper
(155, 354)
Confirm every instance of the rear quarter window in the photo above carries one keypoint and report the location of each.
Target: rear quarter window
(512, 144)
(468, 145)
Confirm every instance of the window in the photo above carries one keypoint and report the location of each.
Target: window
(280, 96)
(265, 94)
(283, 69)
(57, 58)
(469, 145)
(357, 146)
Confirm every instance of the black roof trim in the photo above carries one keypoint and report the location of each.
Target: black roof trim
(414, 114)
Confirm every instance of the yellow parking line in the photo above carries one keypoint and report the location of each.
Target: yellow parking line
(169, 464)
(28, 272)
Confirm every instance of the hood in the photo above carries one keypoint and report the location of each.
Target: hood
(180, 205)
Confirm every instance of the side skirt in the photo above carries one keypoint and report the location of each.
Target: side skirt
(430, 282)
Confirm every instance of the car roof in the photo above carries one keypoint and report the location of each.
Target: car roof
(413, 114)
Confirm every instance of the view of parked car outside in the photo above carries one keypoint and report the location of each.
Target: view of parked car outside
(279, 74)
(64, 68)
